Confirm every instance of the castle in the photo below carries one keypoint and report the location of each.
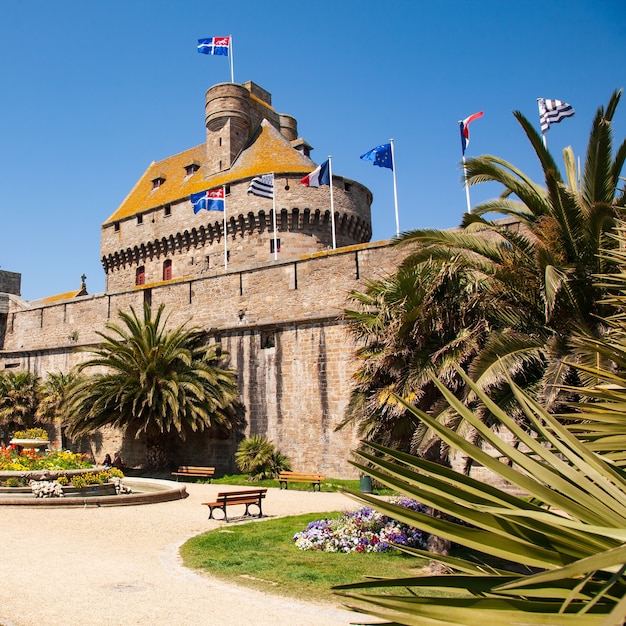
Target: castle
(273, 298)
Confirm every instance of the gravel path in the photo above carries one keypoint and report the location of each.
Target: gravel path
(119, 566)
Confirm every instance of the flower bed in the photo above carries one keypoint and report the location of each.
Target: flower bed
(14, 459)
(364, 530)
(56, 474)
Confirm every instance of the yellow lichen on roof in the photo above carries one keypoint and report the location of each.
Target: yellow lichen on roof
(269, 152)
(61, 296)
(176, 185)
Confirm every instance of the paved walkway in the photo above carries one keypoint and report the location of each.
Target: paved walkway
(119, 566)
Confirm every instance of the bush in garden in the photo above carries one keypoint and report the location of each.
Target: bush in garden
(257, 457)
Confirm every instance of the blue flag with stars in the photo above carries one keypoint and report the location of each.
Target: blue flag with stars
(380, 155)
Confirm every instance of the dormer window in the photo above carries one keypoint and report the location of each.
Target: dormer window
(157, 182)
(302, 146)
(191, 169)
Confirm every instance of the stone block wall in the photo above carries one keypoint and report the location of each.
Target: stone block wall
(281, 326)
(10, 282)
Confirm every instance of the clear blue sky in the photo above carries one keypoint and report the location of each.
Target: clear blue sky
(93, 92)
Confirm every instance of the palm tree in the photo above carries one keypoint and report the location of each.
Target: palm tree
(258, 457)
(18, 399)
(427, 318)
(53, 396)
(555, 254)
(553, 553)
(534, 281)
(156, 382)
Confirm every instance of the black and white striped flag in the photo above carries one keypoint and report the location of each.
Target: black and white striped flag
(262, 186)
(552, 112)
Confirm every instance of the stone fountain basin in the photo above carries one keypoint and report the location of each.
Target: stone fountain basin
(145, 491)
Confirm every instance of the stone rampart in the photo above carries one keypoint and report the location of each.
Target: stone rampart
(281, 325)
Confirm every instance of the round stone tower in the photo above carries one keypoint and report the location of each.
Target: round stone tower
(157, 234)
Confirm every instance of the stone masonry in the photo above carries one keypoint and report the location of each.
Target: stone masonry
(278, 315)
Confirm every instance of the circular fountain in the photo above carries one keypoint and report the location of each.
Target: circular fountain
(32, 478)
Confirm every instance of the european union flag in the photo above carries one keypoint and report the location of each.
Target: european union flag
(380, 155)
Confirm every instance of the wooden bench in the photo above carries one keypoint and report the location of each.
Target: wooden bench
(228, 498)
(193, 471)
(316, 480)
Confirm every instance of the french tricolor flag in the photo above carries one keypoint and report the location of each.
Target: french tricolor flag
(464, 125)
(319, 176)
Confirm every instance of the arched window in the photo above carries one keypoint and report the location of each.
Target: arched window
(140, 276)
(167, 269)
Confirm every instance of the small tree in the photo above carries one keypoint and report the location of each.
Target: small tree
(257, 457)
(18, 399)
(157, 381)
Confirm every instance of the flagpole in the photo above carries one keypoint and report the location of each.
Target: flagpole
(225, 233)
(395, 188)
(332, 202)
(540, 103)
(274, 219)
(467, 193)
(232, 62)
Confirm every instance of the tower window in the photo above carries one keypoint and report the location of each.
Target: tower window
(117, 227)
(347, 187)
(140, 219)
(167, 210)
(272, 245)
(167, 269)
(227, 190)
(140, 276)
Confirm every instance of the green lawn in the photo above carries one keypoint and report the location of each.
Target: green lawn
(330, 484)
(262, 555)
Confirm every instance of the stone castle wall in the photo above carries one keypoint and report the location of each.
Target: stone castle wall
(195, 243)
(281, 325)
(10, 282)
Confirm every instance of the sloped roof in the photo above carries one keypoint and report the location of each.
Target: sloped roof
(68, 295)
(177, 184)
(268, 151)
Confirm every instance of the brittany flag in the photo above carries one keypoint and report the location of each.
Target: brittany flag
(464, 125)
(552, 112)
(214, 45)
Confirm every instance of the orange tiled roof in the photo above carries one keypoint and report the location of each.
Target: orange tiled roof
(269, 152)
